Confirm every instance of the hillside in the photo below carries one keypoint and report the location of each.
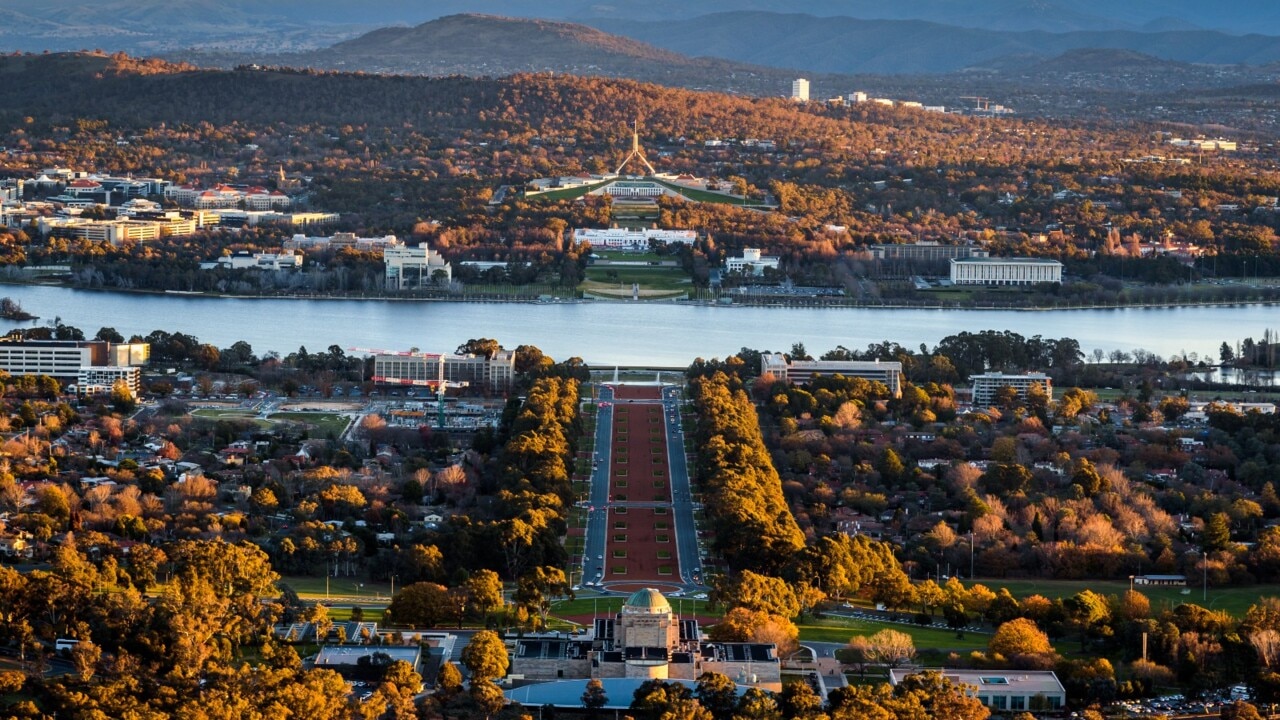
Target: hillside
(58, 88)
(495, 46)
(847, 45)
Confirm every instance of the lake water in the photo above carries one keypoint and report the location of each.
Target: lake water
(659, 334)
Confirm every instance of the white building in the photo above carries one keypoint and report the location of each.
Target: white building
(1005, 271)
(986, 386)
(64, 359)
(802, 371)
(101, 380)
(857, 97)
(633, 238)
(414, 267)
(421, 369)
(1001, 690)
(262, 261)
(340, 240)
(800, 90)
(751, 262)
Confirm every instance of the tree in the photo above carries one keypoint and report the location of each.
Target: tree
(1217, 533)
(422, 604)
(718, 694)
(798, 700)
(594, 697)
(485, 656)
(487, 696)
(538, 588)
(1240, 710)
(760, 592)
(484, 588)
(402, 675)
(891, 647)
(1019, 636)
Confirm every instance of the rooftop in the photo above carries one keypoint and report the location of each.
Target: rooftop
(1028, 682)
(1005, 261)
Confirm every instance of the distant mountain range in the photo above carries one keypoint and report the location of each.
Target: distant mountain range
(243, 25)
(847, 45)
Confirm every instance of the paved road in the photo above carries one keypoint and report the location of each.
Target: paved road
(681, 492)
(683, 506)
(598, 495)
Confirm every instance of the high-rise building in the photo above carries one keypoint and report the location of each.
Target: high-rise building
(800, 90)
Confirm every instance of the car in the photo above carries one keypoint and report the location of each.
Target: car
(700, 596)
(578, 587)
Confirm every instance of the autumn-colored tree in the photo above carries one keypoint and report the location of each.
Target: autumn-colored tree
(485, 656)
(1019, 636)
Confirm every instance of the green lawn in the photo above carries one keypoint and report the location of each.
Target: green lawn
(632, 256)
(313, 588)
(702, 195)
(324, 423)
(565, 193)
(649, 277)
(220, 414)
(1235, 600)
(841, 629)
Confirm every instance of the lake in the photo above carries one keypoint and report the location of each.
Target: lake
(658, 334)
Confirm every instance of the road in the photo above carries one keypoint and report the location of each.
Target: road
(598, 501)
(681, 492)
(598, 495)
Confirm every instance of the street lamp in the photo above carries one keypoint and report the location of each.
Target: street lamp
(359, 586)
(1130, 583)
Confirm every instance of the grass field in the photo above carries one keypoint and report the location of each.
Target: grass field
(324, 423)
(565, 193)
(313, 588)
(1235, 600)
(702, 195)
(649, 277)
(218, 414)
(841, 629)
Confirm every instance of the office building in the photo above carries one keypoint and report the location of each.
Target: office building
(800, 90)
(63, 359)
(1002, 690)
(925, 251)
(751, 262)
(415, 266)
(102, 380)
(986, 386)
(801, 372)
(477, 371)
(1005, 271)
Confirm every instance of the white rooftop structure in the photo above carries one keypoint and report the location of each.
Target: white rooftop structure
(1001, 690)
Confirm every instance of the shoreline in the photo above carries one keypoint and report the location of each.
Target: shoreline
(797, 303)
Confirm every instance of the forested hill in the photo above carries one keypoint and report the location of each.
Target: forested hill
(494, 46)
(60, 89)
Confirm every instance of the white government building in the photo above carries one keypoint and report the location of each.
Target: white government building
(751, 262)
(1005, 271)
(632, 238)
(414, 266)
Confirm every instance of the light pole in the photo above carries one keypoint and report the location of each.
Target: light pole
(970, 556)
(1130, 583)
(1204, 564)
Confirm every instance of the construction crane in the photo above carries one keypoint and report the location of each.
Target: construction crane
(980, 103)
(440, 385)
